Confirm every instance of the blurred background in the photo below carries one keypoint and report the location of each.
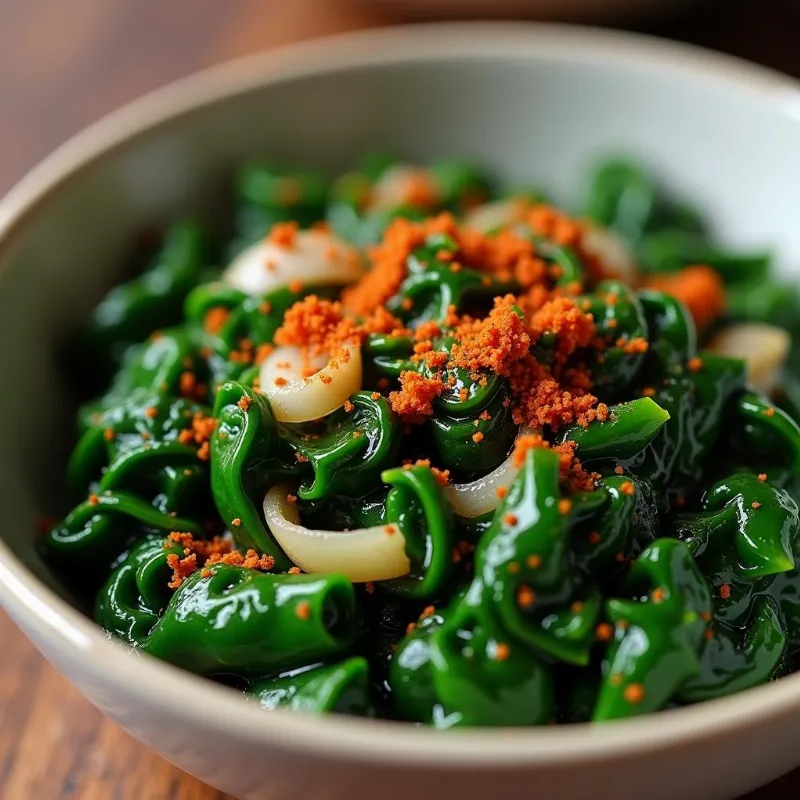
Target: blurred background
(63, 65)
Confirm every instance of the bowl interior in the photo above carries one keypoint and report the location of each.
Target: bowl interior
(537, 106)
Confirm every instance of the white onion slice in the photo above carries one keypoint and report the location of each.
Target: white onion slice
(480, 496)
(396, 186)
(498, 214)
(365, 554)
(303, 399)
(316, 258)
(614, 253)
(763, 347)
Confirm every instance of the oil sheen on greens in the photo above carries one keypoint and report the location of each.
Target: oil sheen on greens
(683, 590)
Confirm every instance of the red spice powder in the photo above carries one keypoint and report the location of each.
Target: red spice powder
(250, 560)
(698, 287)
(572, 327)
(501, 652)
(494, 343)
(604, 632)
(215, 318)
(571, 472)
(283, 234)
(414, 401)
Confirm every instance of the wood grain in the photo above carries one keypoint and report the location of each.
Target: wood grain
(63, 65)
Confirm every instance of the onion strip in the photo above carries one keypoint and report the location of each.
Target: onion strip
(365, 554)
(315, 258)
(763, 347)
(480, 496)
(297, 399)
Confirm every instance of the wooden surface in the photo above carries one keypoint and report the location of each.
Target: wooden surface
(62, 64)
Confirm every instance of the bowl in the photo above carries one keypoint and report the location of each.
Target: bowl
(565, 10)
(529, 101)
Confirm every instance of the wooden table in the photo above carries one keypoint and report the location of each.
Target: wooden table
(61, 66)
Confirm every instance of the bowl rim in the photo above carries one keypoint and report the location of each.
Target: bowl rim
(199, 701)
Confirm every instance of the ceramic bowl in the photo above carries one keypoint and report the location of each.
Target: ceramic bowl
(532, 102)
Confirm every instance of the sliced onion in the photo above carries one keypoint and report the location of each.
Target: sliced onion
(397, 186)
(497, 214)
(315, 258)
(764, 348)
(480, 496)
(365, 554)
(303, 399)
(613, 252)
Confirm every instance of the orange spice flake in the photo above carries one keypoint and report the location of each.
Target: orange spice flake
(494, 343)
(770, 412)
(506, 255)
(194, 551)
(756, 504)
(657, 595)
(501, 492)
(698, 287)
(694, 364)
(250, 560)
(181, 568)
(526, 597)
(619, 470)
(236, 522)
(310, 323)
(762, 476)
(283, 234)
(477, 437)
(725, 591)
(244, 402)
(594, 537)
(564, 506)
(510, 519)
(572, 473)
(544, 399)
(604, 632)
(634, 693)
(501, 652)
(414, 401)
(572, 327)
(348, 406)
(628, 488)
(633, 346)
(534, 561)
(428, 611)
(303, 610)
(93, 500)
(109, 435)
(215, 318)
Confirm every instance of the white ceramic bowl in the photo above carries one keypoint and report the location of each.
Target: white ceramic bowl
(535, 102)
